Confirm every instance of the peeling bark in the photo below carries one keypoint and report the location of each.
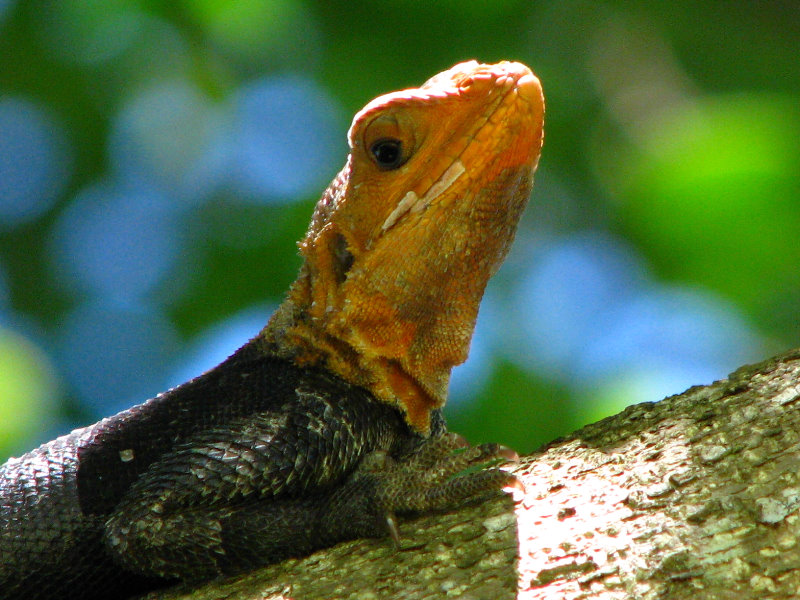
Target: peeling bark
(695, 496)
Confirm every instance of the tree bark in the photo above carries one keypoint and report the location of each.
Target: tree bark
(695, 496)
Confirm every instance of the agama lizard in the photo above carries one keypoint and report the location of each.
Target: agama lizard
(328, 422)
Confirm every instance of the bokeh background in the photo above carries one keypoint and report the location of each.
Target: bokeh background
(159, 160)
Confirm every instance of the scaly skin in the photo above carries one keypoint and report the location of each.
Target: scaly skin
(396, 261)
(327, 423)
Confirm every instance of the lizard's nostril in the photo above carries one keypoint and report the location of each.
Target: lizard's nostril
(477, 84)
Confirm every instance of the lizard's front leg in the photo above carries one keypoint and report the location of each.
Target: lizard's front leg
(225, 505)
(440, 473)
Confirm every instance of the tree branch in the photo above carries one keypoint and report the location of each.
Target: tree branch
(695, 496)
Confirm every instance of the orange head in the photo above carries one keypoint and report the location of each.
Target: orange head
(403, 242)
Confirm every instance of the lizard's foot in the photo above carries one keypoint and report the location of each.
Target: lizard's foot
(441, 473)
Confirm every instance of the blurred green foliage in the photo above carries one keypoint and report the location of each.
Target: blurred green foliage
(671, 127)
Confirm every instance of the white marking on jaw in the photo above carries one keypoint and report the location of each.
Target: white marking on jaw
(447, 179)
(412, 203)
(405, 204)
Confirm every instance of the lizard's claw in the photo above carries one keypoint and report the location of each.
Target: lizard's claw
(391, 526)
(441, 473)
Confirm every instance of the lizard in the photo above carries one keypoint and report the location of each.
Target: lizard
(328, 423)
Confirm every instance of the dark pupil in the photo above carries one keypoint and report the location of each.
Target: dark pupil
(388, 153)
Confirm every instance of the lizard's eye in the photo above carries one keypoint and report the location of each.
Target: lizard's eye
(388, 153)
(389, 140)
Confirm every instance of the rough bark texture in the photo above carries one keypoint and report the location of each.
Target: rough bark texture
(695, 496)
